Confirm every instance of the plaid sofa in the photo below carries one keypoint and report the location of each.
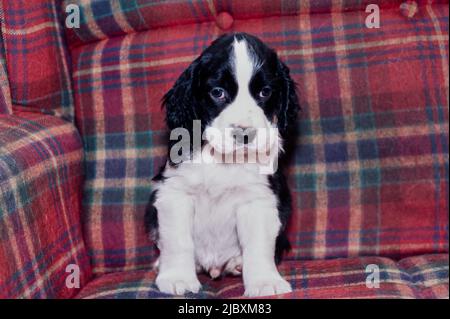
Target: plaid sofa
(82, 132)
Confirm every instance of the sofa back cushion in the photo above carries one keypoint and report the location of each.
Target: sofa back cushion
(370, 174)
(108, 18)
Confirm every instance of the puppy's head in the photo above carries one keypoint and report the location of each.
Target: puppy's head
(240, 91)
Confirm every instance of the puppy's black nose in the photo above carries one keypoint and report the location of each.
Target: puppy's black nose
(243, 135)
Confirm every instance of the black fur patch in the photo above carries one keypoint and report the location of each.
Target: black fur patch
(189, 99)
(151, 213)
(280, 188)
(151, 217)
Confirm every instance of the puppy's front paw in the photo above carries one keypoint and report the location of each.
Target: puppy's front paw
(267, 287)
(177, 284)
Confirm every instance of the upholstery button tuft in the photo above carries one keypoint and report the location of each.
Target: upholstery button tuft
(224, 20)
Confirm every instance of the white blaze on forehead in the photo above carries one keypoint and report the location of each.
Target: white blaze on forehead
(244, 111)
(244, 63)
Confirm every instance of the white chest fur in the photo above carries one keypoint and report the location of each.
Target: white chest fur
(216, 191)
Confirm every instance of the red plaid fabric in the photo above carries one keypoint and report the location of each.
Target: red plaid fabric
(108, 18)
(36, 55)
(370, 176)
(416, 277)
(5, 95)
(40, 183)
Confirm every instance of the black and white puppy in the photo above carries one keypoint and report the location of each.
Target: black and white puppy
(220, 217)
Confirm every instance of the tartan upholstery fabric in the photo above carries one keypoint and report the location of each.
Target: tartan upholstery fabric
(36, 55)
(415, 277)
(5, 96)
(40, 187)
(370, 176)
(108, 18)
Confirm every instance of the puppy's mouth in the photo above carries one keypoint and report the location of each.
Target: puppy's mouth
(245, 147)
(241, 143)
(260, 148)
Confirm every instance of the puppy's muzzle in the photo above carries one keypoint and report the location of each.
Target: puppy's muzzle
(243, 135)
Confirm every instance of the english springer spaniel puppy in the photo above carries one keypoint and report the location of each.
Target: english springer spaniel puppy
(220, 217)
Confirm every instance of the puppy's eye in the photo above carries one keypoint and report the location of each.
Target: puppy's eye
(218, 93)
(265, 93)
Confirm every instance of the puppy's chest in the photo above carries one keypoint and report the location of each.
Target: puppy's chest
(216, 195)
(217, 192)
(220, 185)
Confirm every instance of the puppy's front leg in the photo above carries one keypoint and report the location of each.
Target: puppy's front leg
(176, 261)
(258, 226)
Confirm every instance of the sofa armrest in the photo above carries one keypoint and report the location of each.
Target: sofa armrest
(41, 173)
(5, 94)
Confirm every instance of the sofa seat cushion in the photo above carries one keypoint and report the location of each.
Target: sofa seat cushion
(370, 175)
(423, 276)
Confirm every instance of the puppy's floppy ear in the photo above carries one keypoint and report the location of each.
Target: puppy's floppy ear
(289, 105)
(179, 100)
